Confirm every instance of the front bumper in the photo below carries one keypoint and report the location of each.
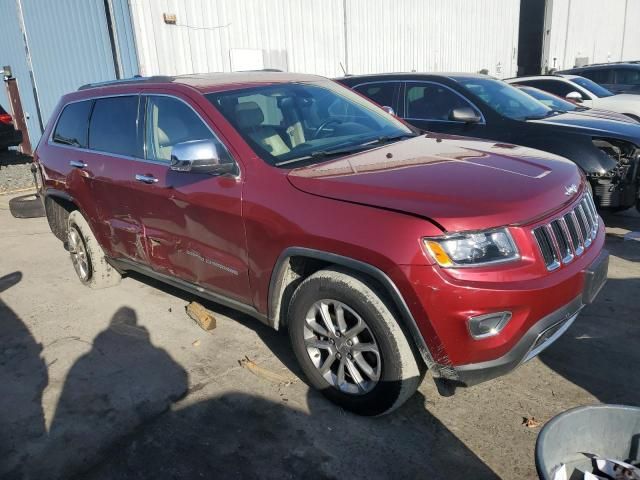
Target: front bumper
(542, 334)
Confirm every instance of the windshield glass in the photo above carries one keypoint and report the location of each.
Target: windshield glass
(290, 122)
(504, 98)
(549, 99)
(592, 86)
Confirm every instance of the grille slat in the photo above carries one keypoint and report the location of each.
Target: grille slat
(568, 236)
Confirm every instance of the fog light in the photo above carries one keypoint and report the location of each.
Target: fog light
(488, 325)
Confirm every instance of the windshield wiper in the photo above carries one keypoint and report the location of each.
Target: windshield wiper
(548, 114)
(389, 138)
(322, 154)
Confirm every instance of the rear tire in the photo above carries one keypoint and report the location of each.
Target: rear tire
(371, 372)
(87, 255)
(26, 206)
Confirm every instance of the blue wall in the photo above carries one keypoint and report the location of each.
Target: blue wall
(69, 45)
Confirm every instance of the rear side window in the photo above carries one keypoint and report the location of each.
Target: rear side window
(559, 88)
(114, 126)
(73, 125)
(628, 76)
(599, 76)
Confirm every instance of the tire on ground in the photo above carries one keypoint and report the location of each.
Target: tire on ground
(26, 206)
(402, 371)
(102, 275)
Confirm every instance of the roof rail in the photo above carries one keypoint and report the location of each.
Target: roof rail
(621, 62)
(124, 81)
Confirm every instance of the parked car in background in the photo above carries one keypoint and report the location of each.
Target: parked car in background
(9, 136)
(299, 202)
(584, 91)
(618, 77)
(484, 107)
(560, 105)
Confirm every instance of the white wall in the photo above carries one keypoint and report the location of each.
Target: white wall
(433, 35)
(308, 35)
(594, 29)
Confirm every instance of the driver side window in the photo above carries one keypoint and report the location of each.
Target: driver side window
(432, 101)
(170, 121)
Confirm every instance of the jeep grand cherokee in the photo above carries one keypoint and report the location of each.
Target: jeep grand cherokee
(384, 252)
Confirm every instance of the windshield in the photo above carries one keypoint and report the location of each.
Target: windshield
(549, 99)
(291, 122)
(592, 86)
(504, 98)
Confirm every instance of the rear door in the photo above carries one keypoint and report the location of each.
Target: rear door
(192, 221)
(114, 141)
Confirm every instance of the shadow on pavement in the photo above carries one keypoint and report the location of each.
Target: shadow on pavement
(111, 420)
(119, 385)
(23, 378)
(244, 436)
(600, 353)
(238, 435)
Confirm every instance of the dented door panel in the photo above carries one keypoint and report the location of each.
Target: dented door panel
(193, 227)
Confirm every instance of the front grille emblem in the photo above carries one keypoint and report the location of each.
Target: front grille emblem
(571, 189)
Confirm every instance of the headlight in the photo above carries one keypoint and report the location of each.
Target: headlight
(472, 249)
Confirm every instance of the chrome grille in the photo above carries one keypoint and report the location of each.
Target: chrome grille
(566, 237)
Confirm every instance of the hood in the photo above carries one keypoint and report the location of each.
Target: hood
(608, 114)
(623, 103)
(593, 125)
(460, 184)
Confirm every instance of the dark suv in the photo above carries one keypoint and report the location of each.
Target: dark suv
(295, 200)
(622, 77)
(9, 136)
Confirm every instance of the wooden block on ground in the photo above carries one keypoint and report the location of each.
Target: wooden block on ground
(201, 316)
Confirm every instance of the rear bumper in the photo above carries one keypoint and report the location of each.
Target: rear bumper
(10, 138)
(541, 335)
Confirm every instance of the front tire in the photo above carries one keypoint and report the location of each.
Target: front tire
(349, 345)
(87, 256)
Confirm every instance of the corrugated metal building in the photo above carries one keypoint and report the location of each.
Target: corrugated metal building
(593, 31)
(54, 47)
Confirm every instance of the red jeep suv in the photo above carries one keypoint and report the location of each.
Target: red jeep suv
(382, 250)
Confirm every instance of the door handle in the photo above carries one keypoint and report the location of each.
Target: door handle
(146, 178)
(77, 164)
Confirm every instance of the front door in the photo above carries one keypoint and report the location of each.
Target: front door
(192, 222)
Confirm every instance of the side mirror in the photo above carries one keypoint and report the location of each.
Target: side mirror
(464, 114)
(199, 156)
(574, 97)
(389, 110)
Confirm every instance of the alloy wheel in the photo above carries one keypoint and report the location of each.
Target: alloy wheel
(79, 256)
(342, 347)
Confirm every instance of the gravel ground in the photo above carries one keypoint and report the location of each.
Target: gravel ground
(15, 173)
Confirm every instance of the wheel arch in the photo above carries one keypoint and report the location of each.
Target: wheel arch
(58, 205)
(297, 263)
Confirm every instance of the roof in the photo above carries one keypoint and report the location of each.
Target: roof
(541, 77)
(597, 66)
(450, 75)
(211, 81)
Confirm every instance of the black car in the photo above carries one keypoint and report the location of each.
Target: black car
(480, 106)
(9, 136)
(620, 77)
